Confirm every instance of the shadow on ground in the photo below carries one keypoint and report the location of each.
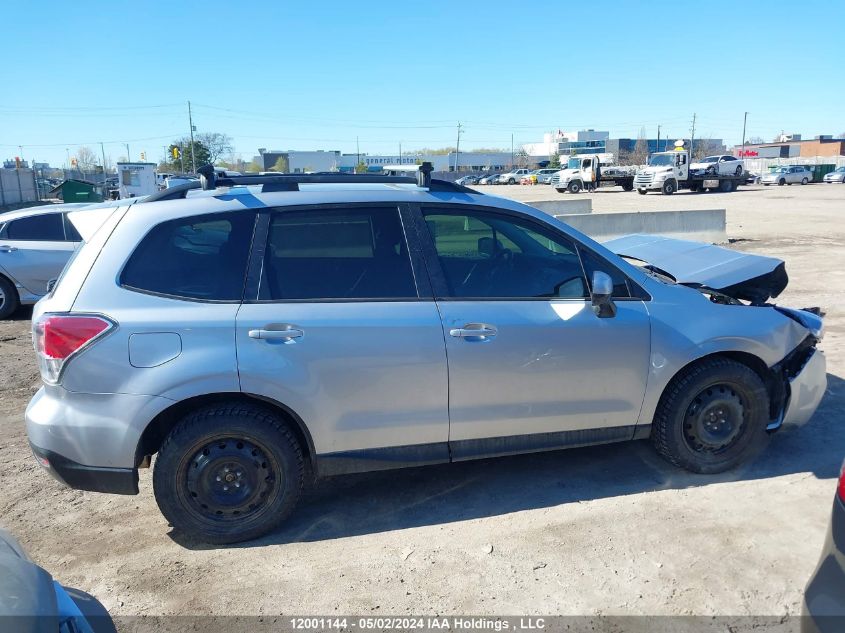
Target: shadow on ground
(391, 500)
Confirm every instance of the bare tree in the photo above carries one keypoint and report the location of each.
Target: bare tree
(755, 140)
(522, 159)
(86, 159)
(217, 144)
(706, 146)
(638, 155)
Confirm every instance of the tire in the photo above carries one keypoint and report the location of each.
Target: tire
(208, 455)
(669, 187)
(574, 187)
(694, 187)
(725, 186)
(560, 190)
(511, 181)
(9, 301)
(781, 182)
(738, 171)
(804, 181)
(627, 187)
(642, 192)
(685, 430)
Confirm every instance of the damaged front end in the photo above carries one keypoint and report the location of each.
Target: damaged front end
(796, 383)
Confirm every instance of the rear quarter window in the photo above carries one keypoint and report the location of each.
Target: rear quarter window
(199, 257)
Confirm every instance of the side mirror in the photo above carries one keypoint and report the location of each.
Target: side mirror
(602, 295)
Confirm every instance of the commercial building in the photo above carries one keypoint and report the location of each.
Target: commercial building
(463, 162)
(792, 146)
(297, 161)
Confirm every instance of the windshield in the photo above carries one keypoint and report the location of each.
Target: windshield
(573, 163)
(660, 160)
(710, 159)
(841, 169)
(781, 170)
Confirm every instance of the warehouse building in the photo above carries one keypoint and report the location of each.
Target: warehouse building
(297, 161)
(792, 146)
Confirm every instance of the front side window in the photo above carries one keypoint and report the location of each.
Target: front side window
(337, 254)
(199, 257)
(47, 228)
(488, 255)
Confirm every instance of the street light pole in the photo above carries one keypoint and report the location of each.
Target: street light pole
(744, 121)
(191, 123)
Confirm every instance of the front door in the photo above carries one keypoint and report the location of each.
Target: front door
(33, 250)
(341, 333)
(530, 364)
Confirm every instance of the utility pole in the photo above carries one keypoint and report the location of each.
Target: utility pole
(744, 121)
(400, 152)
(357, 151)
(458, 147)
(191, 123)
(658, 138)
(128, 157)
(511, 151)
(67, 164)
(691, 137)
(103, 151)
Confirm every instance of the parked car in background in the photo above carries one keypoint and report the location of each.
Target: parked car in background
(512, 177)
(32, 602)
(468, 180)
(256, 336)
(544, 176)
(723, 165)
(35, 245)
(788, 175)
(752, 178)
(838, 175)
(489, 179)
(824, 598)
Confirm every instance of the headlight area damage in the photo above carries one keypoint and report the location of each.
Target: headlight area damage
(797, 382)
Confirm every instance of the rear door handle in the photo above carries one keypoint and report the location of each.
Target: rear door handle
(474, 330)
(276, 335)
(5, 248)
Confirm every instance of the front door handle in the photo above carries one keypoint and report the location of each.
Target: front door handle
(5, 248)
(480, 331)
(276, 335)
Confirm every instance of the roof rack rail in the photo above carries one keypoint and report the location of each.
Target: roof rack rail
(290, 182)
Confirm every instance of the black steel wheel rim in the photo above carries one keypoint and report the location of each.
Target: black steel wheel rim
(715, 419)
(230, 479)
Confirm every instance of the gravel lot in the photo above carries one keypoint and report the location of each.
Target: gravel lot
(606, 530)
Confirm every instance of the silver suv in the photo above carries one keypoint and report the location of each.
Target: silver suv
(271, 329)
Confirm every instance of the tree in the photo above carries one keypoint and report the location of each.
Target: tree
(281, 165)
(554, 161)
(254, 168)
(217, 144)
(755, 140)
(86, 159)
(361, 168)
(522, 159)
(201, 156)
(705, 146)
(639, 154)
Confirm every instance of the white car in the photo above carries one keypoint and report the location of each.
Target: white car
(835, 176)
(512, 177)
(723, 165)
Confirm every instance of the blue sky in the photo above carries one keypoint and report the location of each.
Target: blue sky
(298, 75)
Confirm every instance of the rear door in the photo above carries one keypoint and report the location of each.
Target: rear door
(342, 329)
(34, 249)
(530, 364)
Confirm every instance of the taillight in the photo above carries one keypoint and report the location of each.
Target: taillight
(58, 337)
(841, 489)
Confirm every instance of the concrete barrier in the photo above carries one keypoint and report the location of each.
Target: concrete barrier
(707, 225)
(565, 206)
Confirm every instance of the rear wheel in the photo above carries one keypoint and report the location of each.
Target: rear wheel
(781, 182)
(560, 190)
(712, 416)
(627, 187)
(228, 473)
(9, 301)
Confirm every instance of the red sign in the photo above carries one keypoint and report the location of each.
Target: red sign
(748, 153)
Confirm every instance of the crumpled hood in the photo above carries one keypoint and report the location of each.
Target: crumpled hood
(754, 278)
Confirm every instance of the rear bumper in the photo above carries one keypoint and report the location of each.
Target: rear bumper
(119, 481)
(806, 390)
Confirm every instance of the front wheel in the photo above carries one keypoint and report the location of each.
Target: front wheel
(8, 298)
(642, 192)
(228, 473)
(804, 181)
(738, 171)
(712, 416)
(669, 187)
(574, 187)
(511, 181)
(781, 182)
(560, 190)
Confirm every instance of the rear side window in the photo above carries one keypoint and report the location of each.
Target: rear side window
(200, 257)
(337, 254)
(46, 228)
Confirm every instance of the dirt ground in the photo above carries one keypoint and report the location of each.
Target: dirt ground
(605, 530)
